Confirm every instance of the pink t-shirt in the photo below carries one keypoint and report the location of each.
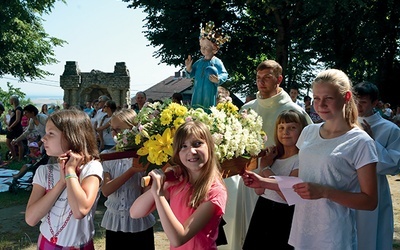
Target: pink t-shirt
(24, 121)
(205, 239)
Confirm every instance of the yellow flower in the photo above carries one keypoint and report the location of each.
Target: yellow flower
(180, 110)
(143, 150)
(227, 107)
(138, 139)
(144, 134)
(166, 117)
(232, 108)
(178, 122)
(159, 148)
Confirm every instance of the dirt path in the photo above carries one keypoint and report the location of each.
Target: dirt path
(12, 221)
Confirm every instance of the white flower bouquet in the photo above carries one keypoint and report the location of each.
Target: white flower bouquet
(236, 134)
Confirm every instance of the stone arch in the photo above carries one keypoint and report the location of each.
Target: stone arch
(93, 92)
(80, 87)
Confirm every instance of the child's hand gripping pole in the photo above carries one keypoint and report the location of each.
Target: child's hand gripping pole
(169, 176)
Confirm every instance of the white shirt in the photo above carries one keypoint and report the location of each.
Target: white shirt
(76, 232)
(282, 167)
(107, 133)
(40, 128)
(117, 217)
(375, 228)
(97, 118)
(242, 199)
(322, 223)
(300, 103)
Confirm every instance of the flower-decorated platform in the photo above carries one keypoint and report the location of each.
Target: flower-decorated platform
(229, 168)
(238, 135)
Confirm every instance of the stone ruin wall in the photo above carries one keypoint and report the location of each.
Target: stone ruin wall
(80, 87)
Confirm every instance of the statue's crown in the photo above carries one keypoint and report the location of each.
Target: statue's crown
(214, 35)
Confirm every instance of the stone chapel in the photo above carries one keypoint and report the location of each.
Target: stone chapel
(80, 87)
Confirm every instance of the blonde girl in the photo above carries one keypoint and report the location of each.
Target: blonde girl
(337, 162)
(190, 209)
(122, 187)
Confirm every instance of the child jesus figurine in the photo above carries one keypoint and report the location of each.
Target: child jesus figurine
(209, 71)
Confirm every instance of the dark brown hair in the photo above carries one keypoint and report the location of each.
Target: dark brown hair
(78, 131)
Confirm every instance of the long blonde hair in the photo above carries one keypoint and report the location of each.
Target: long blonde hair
(341, 81)
(210, 172)
(127, 116)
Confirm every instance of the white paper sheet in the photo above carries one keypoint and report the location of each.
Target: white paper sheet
(285, 184)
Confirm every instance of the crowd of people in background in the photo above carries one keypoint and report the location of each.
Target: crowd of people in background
(23, 125)
(321, 128)
(18, 122)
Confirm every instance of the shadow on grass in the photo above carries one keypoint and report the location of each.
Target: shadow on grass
(100, 232)
(396, 245)
(396, 242)
(19, 235)
(16, 234)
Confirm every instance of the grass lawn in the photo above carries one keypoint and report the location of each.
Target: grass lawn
(16, 234)
(26, 236)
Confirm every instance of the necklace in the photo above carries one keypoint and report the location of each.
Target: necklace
(50, 184)
(55, 238)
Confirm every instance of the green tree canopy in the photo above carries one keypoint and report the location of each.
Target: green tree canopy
(24, 44)
(360, 37)
(11, 91)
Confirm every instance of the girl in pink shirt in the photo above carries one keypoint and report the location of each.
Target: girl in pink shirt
(191, 208)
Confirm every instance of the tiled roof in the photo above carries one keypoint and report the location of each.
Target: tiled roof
(167, 87)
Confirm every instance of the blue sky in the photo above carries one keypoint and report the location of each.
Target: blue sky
(99, 34)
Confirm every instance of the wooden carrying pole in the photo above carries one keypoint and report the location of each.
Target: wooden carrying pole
(229, 167)
(147, 180)
(118, 155)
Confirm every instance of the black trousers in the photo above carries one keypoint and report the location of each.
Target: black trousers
(140, 240)
(269, 226)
